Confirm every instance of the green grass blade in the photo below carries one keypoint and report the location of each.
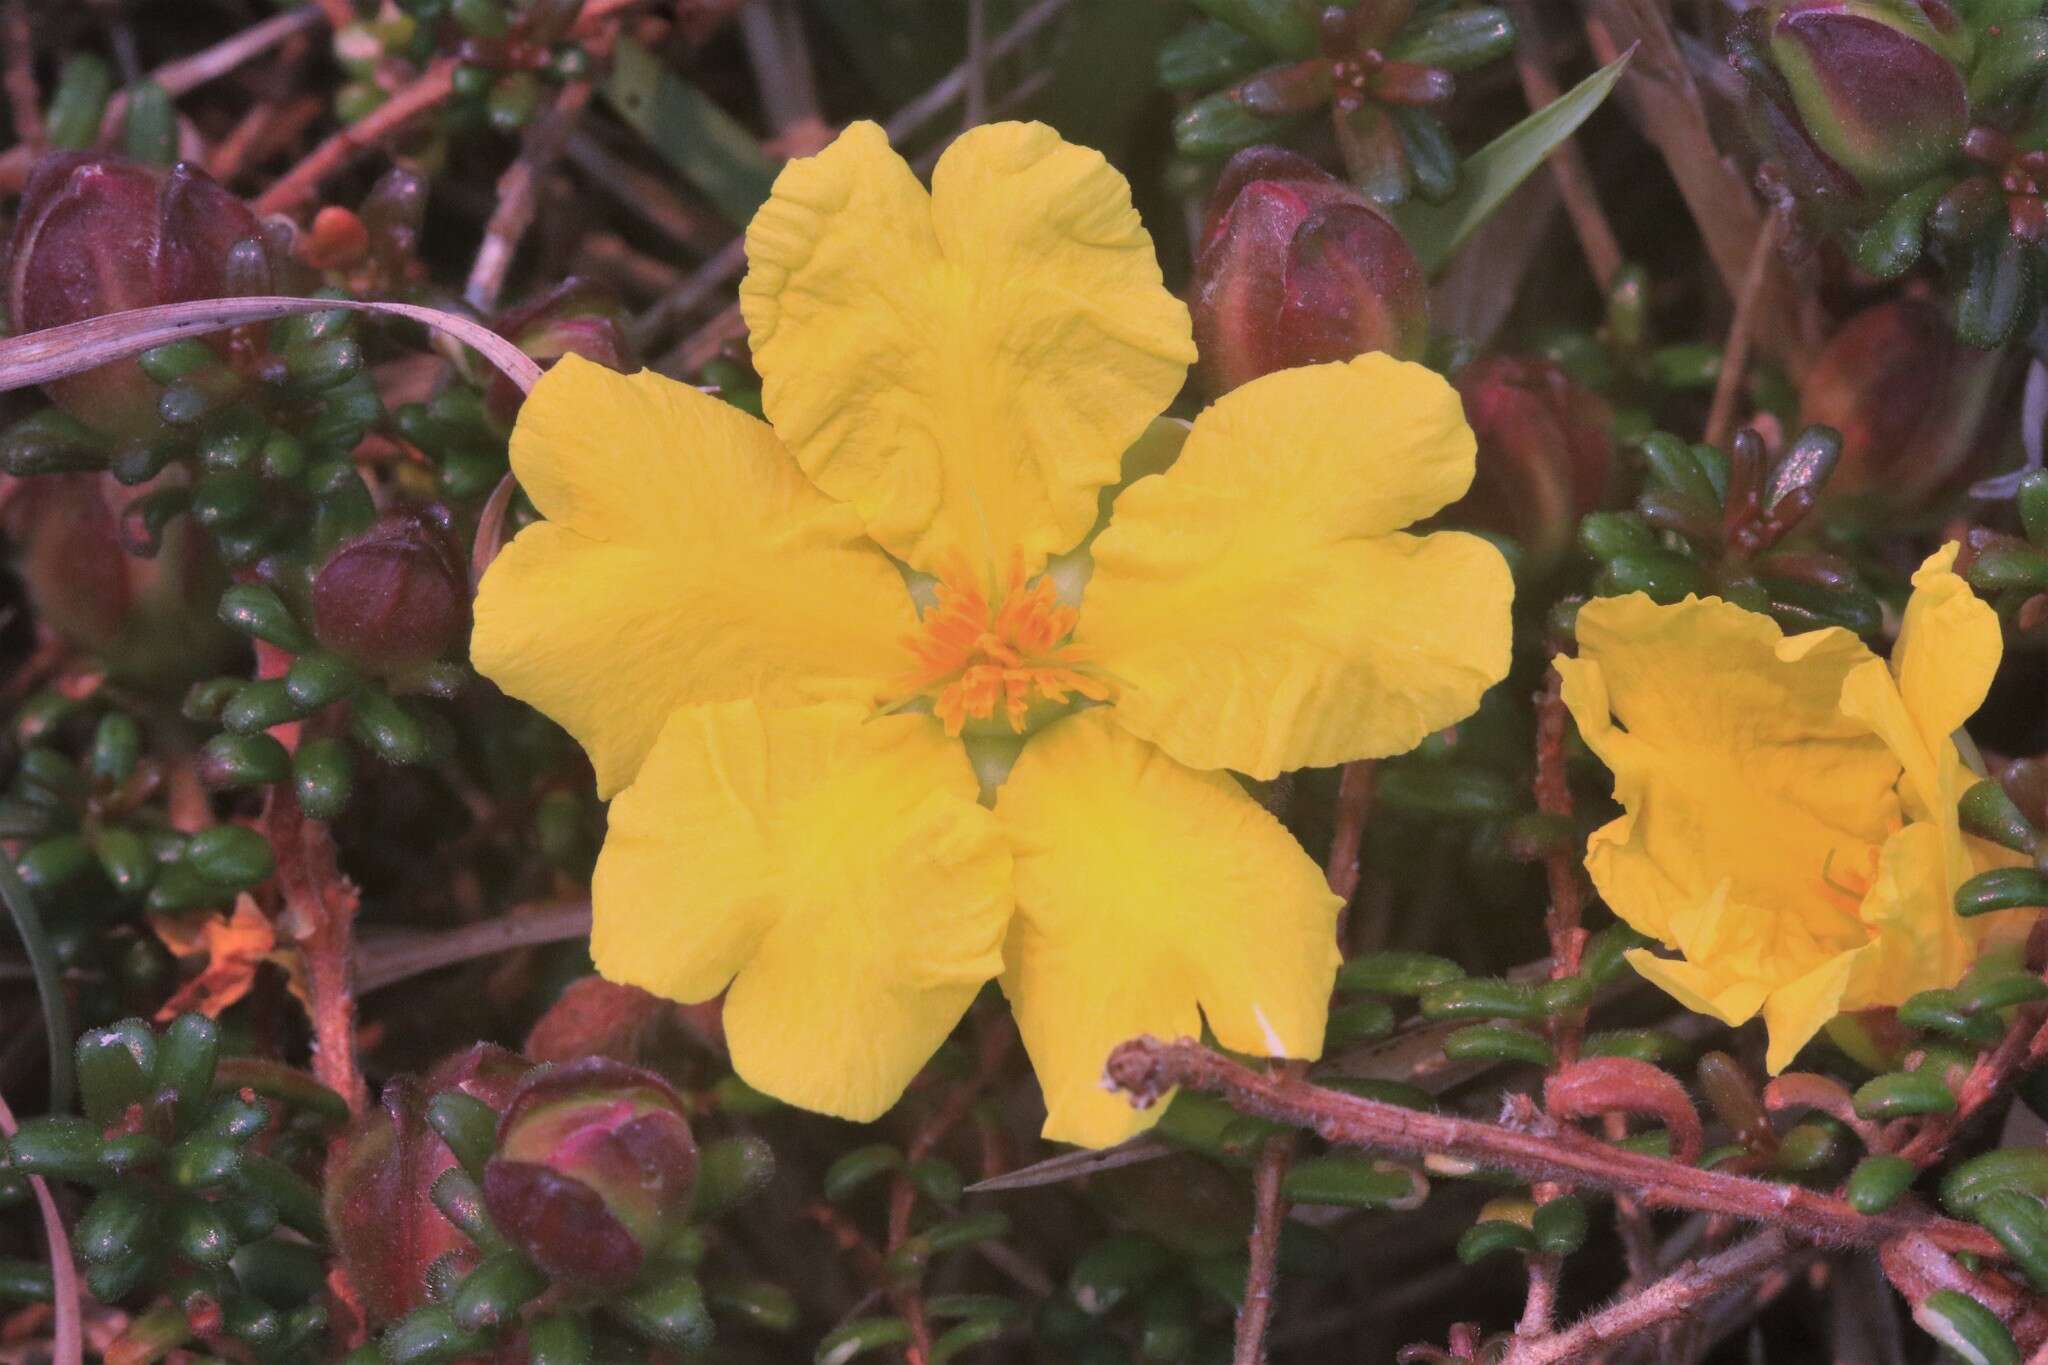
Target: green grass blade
(1490, 175)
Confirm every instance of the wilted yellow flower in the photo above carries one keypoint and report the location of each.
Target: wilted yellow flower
(1790, 822)
(724, 613)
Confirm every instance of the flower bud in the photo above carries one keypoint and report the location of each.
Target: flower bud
(97, 235)
(576, 317)
(595, 1168)
(1857, 99)
(397, 595)
(1546, 450)
(1908, 399)
(1296, 268)
(145, 618)
(386, 1231)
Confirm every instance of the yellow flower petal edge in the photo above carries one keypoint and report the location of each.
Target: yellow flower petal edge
(835, 868)
(1763, 781)
(966, 367)
(685, 560)
(1731, 759)
(1149, 897)
(1255, 604)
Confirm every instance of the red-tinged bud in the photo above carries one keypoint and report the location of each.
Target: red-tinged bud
(1857, 99)
(576, 317)
(145, 619)
(595, 1169)
(97, 235)
(1296, 268)
(1908, 398)
(381, 1216)
(397, 595)
(1546, 454)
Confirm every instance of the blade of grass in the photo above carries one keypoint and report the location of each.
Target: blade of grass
(42, 961)
(1490, 175)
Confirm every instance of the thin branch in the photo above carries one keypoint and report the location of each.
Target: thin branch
(1568, 163)
(319, 912)
(1146, 1069)
(388, 959)
(1269, 1214)
(1683, 1291)
(519, 195)
(1742, 329)
(303, 181)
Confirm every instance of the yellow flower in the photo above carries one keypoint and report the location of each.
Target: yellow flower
(1790, 820)
(724, 614)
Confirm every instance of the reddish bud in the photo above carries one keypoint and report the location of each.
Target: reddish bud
(1296, 268)
(1858, 99)
(397, 595)
(144, 618)
(576, 317)
(380, 1215)
(595, 1168)
(1546, 452)
(1907, 397)
(97, 235)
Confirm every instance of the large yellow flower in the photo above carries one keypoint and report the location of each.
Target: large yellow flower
(1790, 820)
(726, 614)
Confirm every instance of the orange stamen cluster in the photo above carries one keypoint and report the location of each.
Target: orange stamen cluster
(972, 657)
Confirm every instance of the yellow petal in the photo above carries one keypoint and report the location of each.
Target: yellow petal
(1732, 1000)
(836, 869)
(965, 367)
(685, 560)
(1917, 942)
(1144, 891)
(1732, 761)
(1802, 1007)
(1948, 649)
(1253, 604)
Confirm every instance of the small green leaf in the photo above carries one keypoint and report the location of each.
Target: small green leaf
(1491, 174)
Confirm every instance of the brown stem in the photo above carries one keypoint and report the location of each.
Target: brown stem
(1985, 1081)
(1354, 804)
(519, 195)
(1682, 1291)
(1146, 1069)
(1735, 355)
(1269, 1214)
(1568, 163)
(303, 181)
(319, 912)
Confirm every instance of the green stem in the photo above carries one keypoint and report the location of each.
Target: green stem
(42, 961)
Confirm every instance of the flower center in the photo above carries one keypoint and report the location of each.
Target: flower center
(974, 657)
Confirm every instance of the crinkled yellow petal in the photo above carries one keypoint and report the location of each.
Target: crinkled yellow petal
(964, 367)
(1732, 761)
(1801, 1007)
(685, 559)
(1254, 605)
(1917, 941)
(834, 867)
(1732, 1000)
(1948, 649)
(1146, 892)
